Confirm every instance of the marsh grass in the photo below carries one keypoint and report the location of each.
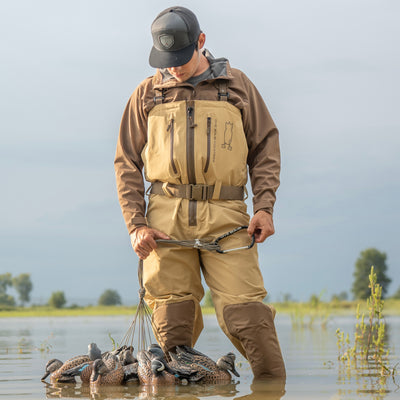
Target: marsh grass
(369, 349)
(46, 311)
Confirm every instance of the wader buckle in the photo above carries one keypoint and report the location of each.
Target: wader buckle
(220, 95)
(197, 192)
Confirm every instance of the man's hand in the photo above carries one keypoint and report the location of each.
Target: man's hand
(143, 240)
(261, 226)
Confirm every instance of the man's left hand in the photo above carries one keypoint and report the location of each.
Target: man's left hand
(261, 226)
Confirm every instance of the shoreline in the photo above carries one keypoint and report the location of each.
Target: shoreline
(294, 309)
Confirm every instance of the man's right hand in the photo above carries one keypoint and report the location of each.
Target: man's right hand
(143, 240)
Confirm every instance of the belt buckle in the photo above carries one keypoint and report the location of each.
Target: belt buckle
(198, 192)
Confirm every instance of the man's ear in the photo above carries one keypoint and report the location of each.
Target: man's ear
(201, 41)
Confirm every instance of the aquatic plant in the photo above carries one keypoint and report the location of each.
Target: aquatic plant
(115, 345)
(45, 346)
(305, 315)
(369, 336)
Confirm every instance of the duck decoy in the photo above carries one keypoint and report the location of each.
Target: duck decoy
(203, 367)
(55, 367)
(114, 352)
(126, 356)
(102, 376)
(156, 349)
(84, 370)
(131, 372)
(153, 369)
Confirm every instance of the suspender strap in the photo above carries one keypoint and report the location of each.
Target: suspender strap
(223, 93)
(197, 192)
(159, 96)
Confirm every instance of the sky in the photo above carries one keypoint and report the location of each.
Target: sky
(328, 72)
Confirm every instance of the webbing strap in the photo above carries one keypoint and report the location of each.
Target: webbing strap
(197, 192)
(159, 96)
(223, 93)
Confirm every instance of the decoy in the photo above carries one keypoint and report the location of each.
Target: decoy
(101, 375)
(55, 367)
(203, 367)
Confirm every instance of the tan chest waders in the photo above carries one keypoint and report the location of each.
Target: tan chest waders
(196, 159)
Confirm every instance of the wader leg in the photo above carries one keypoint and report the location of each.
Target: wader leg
(253, 325)
(174, 324)
(171, 277)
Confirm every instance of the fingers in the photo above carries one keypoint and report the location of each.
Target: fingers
(143, 241)
(261, 226)
(261, 234)
(251, 228)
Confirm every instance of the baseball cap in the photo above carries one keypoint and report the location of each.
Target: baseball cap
(175, 33)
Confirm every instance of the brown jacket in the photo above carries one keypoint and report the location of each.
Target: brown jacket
(261, 134)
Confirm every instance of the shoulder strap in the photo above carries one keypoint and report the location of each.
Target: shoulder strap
(223, 93)
(159, 96)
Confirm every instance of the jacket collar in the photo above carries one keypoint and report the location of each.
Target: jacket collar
(220, 69)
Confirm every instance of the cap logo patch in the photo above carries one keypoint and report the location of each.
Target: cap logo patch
(167, 41)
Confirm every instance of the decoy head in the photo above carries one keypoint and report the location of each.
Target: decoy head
(227, 363)
(93, 351)
(99, 368)
(126, 356)
(156, 350)
(118, 350)
(51, 366)
(157, 366)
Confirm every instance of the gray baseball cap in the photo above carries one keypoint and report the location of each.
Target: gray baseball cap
(175, 34)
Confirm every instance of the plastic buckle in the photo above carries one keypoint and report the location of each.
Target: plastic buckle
(220, 94)
(156, 98)
(198, 192)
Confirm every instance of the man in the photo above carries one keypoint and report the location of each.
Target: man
(194, 127)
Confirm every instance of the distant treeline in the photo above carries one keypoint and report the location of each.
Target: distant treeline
(370, 257)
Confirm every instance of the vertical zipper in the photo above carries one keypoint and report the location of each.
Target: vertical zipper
(190, 159)
(208, 144)
(170, 128)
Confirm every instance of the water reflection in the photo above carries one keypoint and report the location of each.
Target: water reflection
(260, 390)
(268, 389)
(368, 378)
(65, 390)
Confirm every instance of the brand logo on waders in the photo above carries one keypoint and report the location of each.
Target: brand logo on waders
(228, 133)
(167, 41)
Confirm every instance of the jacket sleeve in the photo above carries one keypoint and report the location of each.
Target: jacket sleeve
(264, 153)
(128, 163)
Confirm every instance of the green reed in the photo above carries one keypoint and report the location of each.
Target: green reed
(369, 346)
(307, 315)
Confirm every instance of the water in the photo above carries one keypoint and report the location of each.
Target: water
(26, 344)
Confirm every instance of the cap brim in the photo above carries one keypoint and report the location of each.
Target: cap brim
(169, 59)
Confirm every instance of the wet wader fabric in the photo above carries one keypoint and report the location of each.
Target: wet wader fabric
(201, 143)
(253, 325)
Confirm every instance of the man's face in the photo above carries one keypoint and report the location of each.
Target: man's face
(186, 71)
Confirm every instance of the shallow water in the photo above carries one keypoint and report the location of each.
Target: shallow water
(26, 344)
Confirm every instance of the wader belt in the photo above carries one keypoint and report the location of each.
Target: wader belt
(197, 192)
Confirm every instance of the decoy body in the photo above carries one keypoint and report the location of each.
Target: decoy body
(203, 368)
(125, 358)
(153, 369)
(101, 375)
(55, 367)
